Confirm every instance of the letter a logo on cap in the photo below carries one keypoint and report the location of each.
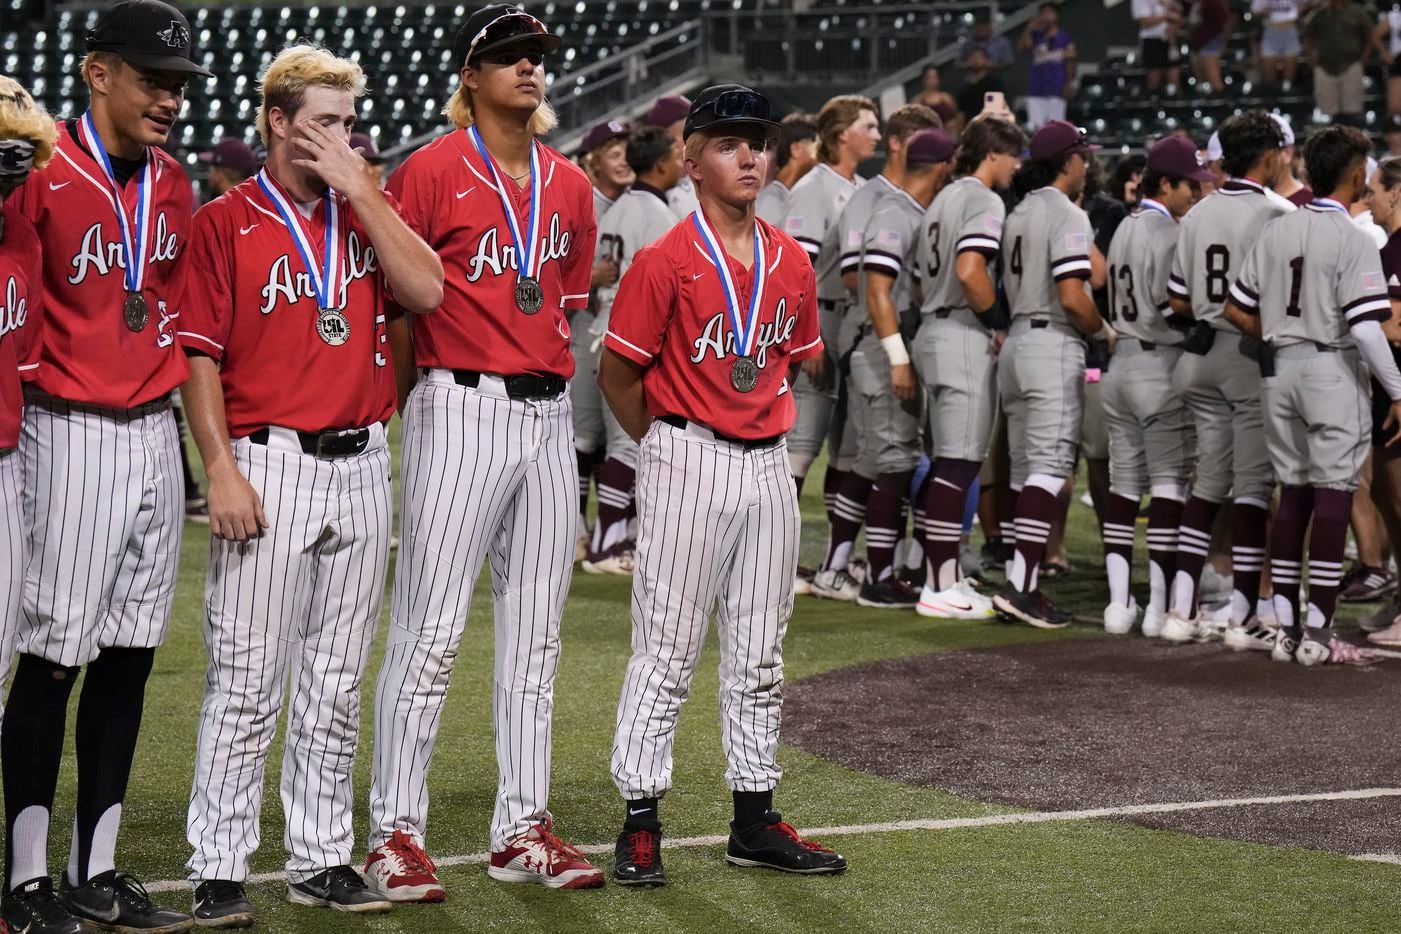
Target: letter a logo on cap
(176, 36)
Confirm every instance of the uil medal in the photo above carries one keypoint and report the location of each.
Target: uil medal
(530, 298)
(135, 312)
(744, 374)
(333, 326)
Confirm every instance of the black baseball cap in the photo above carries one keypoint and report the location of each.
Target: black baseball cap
(1058, 138)
(146, 33)
(731, 105)
(499, 25)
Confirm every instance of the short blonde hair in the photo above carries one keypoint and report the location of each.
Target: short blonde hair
(297, 68)
(835, 118)
(459, 110)
(22, 118)
(107, 59)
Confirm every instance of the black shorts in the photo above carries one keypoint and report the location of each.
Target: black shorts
(1157, 53)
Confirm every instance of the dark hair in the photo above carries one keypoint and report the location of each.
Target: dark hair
(647, 146)
(1331, 153)
(794, 128)
(1123, 173)
(987, 137)
(1153, 179)
(1038, 173)
(1096, 178)
(1247, 138)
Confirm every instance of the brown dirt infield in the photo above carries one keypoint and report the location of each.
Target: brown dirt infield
(1101, 722)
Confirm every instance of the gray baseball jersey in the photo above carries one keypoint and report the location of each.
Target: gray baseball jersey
(1212, 241)
(601, 205)
(1047, 239)
(966, 216)
(814, 207)
(1140, 261)
(855, 218)
(1312, 274)
(889, 244)
(682, 198)
(772, 203)
(640, 216)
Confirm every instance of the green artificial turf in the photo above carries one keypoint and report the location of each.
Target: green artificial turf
(1098, 876)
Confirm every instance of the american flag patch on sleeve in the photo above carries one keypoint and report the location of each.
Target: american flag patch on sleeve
(1374, 281)
(854, 237)
(1076, 243)
(888, 238)
(991, 224)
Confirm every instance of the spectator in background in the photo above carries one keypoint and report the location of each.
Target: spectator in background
(231, 162)
(933, 96)
(1279, 40)
(1387, 40)
(1123, 183)
(977, 81)
(374, 162)
(1052, 73)
(1338, 38)
(797, 154)
(1214, 20)
(995, 48)
(1158, 22)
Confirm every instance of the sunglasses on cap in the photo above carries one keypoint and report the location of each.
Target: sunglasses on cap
(735, 105)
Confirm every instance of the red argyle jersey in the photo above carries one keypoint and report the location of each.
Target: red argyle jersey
(21, 302)
(249, 303)
(670, 316)
(88, 353)
(449, 196)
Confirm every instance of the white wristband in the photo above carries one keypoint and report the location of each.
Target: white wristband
(1105, 329)
(894, 347)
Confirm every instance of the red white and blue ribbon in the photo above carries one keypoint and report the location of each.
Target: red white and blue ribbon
(747, 330)
(1150, 204)
(324, 278)
(526, 248)
(135, 241)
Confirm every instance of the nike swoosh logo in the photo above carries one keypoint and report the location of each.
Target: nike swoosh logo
(244, 230)
(463, 194)
(56, 186)
(697, 276)
(632, 813)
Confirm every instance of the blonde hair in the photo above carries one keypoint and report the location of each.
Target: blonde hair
(459, 110)
(22, 118)
(835, 118)
(297, 68)
(107, 59)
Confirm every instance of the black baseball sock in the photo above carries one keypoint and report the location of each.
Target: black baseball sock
(109, 720)
(751, 806)
(642, 813)
(31, 750)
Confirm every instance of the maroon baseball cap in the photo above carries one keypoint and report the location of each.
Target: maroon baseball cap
(605, 132)
(232, 154)
(929, 147)
(366, 144)
(1059, 137)
(667, 110)
(1179, 157)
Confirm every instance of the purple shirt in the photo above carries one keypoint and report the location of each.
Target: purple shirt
(1047, 75)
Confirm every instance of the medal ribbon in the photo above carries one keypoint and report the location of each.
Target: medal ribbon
(745, 331)
(323, 279)
(134, 238)
(525, 250)
(1151, 205)
(1329, 204)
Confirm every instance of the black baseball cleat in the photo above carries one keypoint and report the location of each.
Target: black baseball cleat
(116, 901)
(637, 859)
(890, 593)
(33, 908)
(1031, 607)
(221, 903)
(340, 888)
(772, 844)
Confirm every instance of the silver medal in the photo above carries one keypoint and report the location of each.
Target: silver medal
(135, 312)
(333, 326)
(529, 296)
(744, 374)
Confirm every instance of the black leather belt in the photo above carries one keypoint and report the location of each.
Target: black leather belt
(942, 313)
(749, 444)
(1039, 323)
(523, 386)
(324, 443)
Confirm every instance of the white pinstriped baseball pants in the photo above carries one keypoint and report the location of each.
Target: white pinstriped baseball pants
(14, 547)
(720, 524)
(484, 478)
(303, 599)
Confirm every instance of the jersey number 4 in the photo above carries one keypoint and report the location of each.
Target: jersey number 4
(1014, 263)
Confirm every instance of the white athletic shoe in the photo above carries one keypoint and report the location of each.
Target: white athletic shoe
(1212, 623)
(620, 560)
(1285, 647)
(1178, 631)
(836, 585)
(581, 544)
(1214, 587)
(858, 570)
(1332, 651)
(802, 583)
(539, 857)
(1118, 619)
(401, 871)
(1153, 620)
(1253, 637)
(961, 601)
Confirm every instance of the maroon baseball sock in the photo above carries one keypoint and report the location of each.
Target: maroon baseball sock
(846, 517)
(1036, 510)
(832, 485)
(588, 461)
(1287, 553)
(1250, 524)
(615, 481)
(885, 522)
(1193, 543)
(1331, 510)
(944, 497)
(1119, 517)
(1164, 518)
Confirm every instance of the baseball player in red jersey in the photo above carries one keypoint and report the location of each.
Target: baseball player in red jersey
(103, 489)
(514, 224)
(708, 327)
(27, 137)
(291, 272)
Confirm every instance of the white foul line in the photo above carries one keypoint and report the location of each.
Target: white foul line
(949, 823)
